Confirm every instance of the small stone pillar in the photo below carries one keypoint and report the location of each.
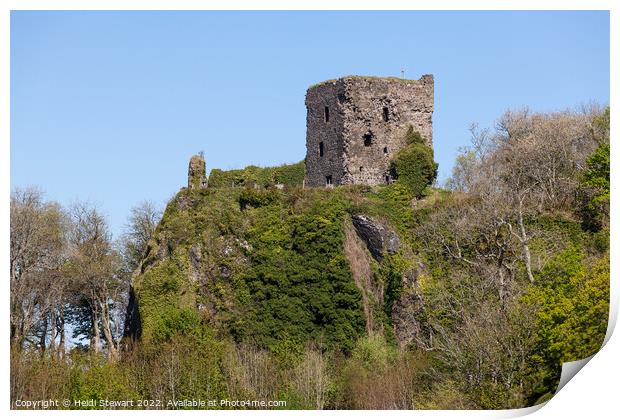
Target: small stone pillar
(197, 173)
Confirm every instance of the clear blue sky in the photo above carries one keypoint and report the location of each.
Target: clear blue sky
(109, 106)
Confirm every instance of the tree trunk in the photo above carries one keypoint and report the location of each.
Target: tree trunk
(43, 337)
(526, 249)
(53, 331)
(61, 344)
(20, 336)
(15, 337)
(502, 286)
(107, 331)
(94, 338)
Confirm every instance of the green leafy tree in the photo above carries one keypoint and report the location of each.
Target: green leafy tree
(573, 307)
(595, 181)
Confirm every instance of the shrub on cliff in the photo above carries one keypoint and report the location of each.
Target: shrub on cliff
(414, 165)
(257, 198)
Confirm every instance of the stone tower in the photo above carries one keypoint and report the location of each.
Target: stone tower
(355, 125)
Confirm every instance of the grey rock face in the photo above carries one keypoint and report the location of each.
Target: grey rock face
(195, 258)
(355, 125)
(133, 327)
(407, 308)
(378, 238)
(164, 245)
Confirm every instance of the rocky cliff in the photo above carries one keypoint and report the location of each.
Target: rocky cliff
(276, 266)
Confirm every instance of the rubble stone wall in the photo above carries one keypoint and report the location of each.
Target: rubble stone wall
(368, 119)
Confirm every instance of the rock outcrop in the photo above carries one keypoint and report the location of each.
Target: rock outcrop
(360, 262)
(408, 307)
(132, 317)
(380, 240)
(377, 236)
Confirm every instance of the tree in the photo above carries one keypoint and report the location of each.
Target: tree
(472, 233)
(143, 220)
(141, 226)
(96, 271)
(572, 299)
(528, 165)
(37, 252)
(479, 242)
(594, 185)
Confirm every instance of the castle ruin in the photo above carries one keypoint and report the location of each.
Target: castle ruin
(197, 173)
(356, 124)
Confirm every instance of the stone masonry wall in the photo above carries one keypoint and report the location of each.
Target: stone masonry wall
(318, 168)
(196, 173)
(368, 120)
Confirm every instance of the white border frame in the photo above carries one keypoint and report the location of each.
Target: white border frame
(593, 394)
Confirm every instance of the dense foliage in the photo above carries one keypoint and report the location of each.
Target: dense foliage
(298, 283)
(288, 175)
(414, 166)
(595, 181)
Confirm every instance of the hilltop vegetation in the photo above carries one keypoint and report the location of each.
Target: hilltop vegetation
(288, 175)
(401, 296)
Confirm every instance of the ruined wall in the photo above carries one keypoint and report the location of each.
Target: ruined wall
(196, 173)
(329, 132)
(366, 128)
